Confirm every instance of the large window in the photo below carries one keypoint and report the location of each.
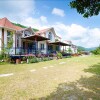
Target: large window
(18, 40)
(9, 38)
(42, 46)
(50, 35)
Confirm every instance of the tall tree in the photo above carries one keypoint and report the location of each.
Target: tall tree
(87, 8)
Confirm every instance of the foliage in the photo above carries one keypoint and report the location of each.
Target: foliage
(87, 8)
(17, 24)
(96, 51)
(5, 58)
(33, 60)
(80, 49)
(59, 55)
(46, 59)
(10, 42)
(6, 49)
(1, 56)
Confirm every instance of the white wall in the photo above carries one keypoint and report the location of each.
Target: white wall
(58, 38)
(53, 37)
(45, 46)
(65, 48)
(74, 50)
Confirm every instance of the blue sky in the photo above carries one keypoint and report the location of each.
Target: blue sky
(54, 13)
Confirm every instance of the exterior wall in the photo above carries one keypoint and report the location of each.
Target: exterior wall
(65, 48)
(59, 39)
(53, 37)
(73, 49)
(45, 46)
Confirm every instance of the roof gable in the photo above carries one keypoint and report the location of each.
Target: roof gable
(4, 22)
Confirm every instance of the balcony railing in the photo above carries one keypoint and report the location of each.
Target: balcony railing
(24, 51)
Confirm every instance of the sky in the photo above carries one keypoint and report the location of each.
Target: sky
(41, 14)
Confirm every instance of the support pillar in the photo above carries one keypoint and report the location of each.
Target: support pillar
(36, 45)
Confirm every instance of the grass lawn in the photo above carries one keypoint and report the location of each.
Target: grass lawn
(76, 78)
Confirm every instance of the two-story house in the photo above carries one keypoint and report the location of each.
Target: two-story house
(26, 41)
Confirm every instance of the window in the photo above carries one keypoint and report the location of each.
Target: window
(42, 46)
(9, 39)
(27, 33)
(18, 37)
(50, 35)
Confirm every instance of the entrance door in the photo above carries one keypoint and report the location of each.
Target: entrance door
(50, 49)
(30, 45)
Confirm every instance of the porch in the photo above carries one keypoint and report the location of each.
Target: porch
(37, 44)
(29, 45)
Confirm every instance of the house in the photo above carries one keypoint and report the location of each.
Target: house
(27, 41)
(72, 47)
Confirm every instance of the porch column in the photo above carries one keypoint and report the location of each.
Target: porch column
(26, 47)
(46, 47)
(59, 46)
(15, 44)
(63, 48)
(36, 45)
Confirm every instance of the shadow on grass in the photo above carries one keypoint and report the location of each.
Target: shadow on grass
(83, 89)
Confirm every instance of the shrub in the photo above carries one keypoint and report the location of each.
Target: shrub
(24, 58)
(59, 55)
(45, 59)
(1, 57)
(96, 51)
(33, 60)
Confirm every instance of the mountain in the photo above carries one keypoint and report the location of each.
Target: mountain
(17, 24)
(90, 49)
(80, 48)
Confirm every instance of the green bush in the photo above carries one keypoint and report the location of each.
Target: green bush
(59, 55)
(1, 57)
(45, 59)
(33, 60)
(96, 51)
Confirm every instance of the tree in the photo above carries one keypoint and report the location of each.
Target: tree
(96, 51)
(80, 49)
(6, 48)
(87, 8)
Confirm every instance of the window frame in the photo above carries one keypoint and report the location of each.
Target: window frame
(9, 36)
(50, 35)
(42, 46)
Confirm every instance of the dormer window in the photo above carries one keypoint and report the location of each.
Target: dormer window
(27, 33)
(50, 35)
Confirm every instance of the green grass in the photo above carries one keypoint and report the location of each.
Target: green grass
(77, 79)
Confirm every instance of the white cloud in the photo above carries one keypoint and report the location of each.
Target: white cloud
(78, 34)
(21, 11)
(16, 9)
(58, 12)
(43, 19)
(39, 23)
